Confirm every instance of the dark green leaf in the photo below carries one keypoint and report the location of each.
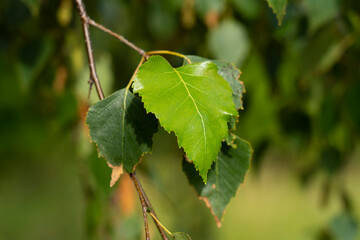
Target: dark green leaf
(278, 7)
(224, 178)
(181, 236)
(193, 101)
(231, 74)
(121, 129)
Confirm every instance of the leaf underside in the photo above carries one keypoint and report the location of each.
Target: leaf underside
(193, 101)
(224, 178)
(231, 74)
(121, 128)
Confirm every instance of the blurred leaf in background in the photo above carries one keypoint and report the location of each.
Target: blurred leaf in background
(301, 115)
(279, 8)
(229, 41)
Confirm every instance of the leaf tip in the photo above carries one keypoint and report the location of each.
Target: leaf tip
(207, 202)
(117, 171)
(278, 10)
(204, 177)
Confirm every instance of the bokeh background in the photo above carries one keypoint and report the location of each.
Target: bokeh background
(302, 117)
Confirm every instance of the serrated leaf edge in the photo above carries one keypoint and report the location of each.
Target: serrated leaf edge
(205, 199)
(97, 145)
(175, 132)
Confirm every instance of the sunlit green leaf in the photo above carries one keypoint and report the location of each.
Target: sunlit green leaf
(279, 8)
(224, 178)
(231, 74)
(193, 101)
(121, 129)
(229, 41)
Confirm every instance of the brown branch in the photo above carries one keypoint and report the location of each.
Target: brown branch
(118, 36)
(85, 20)
(143, 203)
(142, 192)
(93, 74)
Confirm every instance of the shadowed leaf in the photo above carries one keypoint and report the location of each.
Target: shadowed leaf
(121, 129)
(224, 178)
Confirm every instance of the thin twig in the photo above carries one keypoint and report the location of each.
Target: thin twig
(118, 36)
(170, 53)
(93, 74)
(143, 204)
(142, 192)
(85, 20)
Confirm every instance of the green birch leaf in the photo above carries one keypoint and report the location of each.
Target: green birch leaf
(181, 236)
(121, 128)
(193, 101)
(279, 8)
(224, 178)
(231, 74)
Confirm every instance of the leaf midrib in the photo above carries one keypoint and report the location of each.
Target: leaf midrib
(193, 100)
(123, 126)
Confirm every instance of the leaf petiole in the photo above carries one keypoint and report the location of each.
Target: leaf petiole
(136, 70)
(169, 53)
(158, 222)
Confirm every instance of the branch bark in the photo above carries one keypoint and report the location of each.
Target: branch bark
(143, 204)
(118, 36)
(141, 191)
(85, 20)
(93, 74)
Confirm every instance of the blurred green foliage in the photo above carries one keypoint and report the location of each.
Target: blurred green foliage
(301, 114)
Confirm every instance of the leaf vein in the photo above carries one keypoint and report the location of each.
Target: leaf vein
(196, 107)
